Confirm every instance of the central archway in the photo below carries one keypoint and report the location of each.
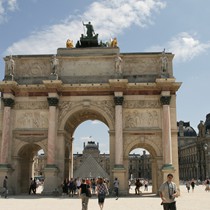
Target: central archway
(70, 123)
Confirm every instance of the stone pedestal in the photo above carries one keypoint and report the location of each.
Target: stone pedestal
(120, 174)
(51, 185)
(6, 170)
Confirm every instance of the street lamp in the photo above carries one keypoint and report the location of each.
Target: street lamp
(205, 146)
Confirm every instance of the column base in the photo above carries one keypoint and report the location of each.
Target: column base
(5, 169)
(119, 172)
(167, 167)
(51, 186)
(118, 166)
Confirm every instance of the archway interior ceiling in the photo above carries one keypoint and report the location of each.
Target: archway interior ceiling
(80, 116)
(146, 147)
(29, 150)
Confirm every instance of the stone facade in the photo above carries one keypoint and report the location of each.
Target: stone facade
(194, 150)
(44, 102)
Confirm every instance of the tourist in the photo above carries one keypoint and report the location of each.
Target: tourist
(146, 185)
(116, 188)
(65, 186)
(78, 183)
(5, 187)
(168, 193)
(207, 189)
(188, 186)
(71, 187)
(32, 186)
(83, 194)
(137, 188)
(101, 191)
(193, 184)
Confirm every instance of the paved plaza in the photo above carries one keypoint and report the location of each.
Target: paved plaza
(197, 200)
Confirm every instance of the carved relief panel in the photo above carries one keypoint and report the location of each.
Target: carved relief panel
(144, 113)
(31, 119)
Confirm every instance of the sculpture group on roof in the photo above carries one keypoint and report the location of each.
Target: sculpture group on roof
(90, 39)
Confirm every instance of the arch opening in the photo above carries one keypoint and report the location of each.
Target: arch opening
(87, 146)
(31, 164)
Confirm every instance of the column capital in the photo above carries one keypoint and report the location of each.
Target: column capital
(52, 101)
(118, 100)
(165, 100)
(8, 102)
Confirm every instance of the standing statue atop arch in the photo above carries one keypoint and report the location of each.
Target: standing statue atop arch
(164, 65)
(54, 66)
(10, 68)
(164, 61)
(90, 39)
(90, 30)
(118, 65)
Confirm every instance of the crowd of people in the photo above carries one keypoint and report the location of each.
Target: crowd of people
(100, 187)
(85, 188)
(139, 183)
(190, 184)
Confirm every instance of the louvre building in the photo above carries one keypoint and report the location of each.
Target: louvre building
(90, 163)
(194, 150)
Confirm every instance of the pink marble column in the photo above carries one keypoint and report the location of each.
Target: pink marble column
(52, 130)
(8, 103)
(166, 131)
(118, 99)
(71, 160)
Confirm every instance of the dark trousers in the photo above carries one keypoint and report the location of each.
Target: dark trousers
(116, 190)
(32, 188)
(169, 206)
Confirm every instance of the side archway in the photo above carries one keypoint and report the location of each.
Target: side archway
(154, 150)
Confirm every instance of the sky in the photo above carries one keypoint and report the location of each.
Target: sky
(178, 26)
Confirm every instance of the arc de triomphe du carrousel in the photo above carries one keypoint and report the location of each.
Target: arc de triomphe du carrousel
(46, 97)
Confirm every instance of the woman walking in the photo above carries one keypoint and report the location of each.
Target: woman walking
(102, 191)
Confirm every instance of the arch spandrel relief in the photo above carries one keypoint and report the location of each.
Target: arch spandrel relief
(108, 107)
(64, 108)
(142, 118)
(31, 119)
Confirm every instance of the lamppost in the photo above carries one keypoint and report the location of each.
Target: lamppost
(205, 146)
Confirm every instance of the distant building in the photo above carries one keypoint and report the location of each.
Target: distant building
(194, 150)
(90, 163)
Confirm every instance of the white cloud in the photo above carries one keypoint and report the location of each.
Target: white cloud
(5, 6)
(12, 5)
(96, 122)
(185, 47)
(109, 18)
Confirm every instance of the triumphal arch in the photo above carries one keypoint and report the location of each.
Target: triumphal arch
(46, 97)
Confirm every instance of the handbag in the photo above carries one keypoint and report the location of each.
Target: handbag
(88, 193)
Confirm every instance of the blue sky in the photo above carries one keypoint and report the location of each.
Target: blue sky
(181, 27)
